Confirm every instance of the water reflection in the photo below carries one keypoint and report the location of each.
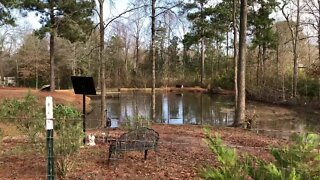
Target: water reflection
(189, 108)
(171, 108)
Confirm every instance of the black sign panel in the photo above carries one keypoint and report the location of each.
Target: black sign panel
(83, 85)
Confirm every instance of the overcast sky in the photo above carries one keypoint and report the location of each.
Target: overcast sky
(118, 6)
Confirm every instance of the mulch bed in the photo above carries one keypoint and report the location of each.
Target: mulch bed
(182, 151)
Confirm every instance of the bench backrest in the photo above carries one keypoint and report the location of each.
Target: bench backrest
(141, 139)
(140, 134)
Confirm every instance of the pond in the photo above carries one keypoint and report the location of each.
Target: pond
(197, 109)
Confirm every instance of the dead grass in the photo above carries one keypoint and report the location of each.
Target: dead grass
(9, 130)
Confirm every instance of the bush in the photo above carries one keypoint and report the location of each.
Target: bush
(29, 117)
(300, 160)
(230, 166)
(131, 123)
(68, 127)
(27, 114)
(308, 87)
(224, 81)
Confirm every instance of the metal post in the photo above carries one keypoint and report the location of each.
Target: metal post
(50, 174)
(49, 128)
(84, 117)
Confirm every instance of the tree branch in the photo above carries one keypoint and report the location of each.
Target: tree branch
(121, 14)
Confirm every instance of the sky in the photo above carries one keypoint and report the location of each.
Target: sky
(110, 10)
(118, 7)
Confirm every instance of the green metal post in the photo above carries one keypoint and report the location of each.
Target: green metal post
(50, 174)
(49, 128)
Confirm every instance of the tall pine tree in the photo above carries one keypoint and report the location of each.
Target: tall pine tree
(198, 12)
(5, 15)
(264, 37)
(70, 19)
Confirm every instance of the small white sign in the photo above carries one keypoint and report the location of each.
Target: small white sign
(49, 113)
(49, 107)
(49, 124)
(91, 140)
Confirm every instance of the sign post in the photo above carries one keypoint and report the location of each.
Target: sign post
(49, 128)
(85, 86)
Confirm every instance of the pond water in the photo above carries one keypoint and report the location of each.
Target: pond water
(189, 108)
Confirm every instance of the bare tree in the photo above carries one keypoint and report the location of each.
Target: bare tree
(33, 58)
(294, 32)
(138, 25)
(313, 9)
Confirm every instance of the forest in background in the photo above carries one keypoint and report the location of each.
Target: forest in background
(194, 45)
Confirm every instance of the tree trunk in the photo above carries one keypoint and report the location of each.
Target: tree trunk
(258, 66)
(52, 36)
(17, 73)
(278, 63)
(202, 47)
(74, 63)
(318, 49)
(263, 68)
(103, 113)
(2, 73)
(240, 114)
(318, 32)
(202, 62)
(227, 45)
(153, 50)
(283, 88)
(235, 54)
(37, 76)
(137, 52)
(295, 51)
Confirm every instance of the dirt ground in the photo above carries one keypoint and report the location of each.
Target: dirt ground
(66, 97)
(182, 151)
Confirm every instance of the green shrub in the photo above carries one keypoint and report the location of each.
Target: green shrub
(131, 123)
(69, 132)
(27, 114)
(225, 81)
(29, 117)
(300, 160)
(308, 87)
(230, 166)
(301, 157)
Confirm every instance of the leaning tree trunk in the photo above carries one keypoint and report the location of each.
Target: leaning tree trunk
(240, 114)
(102, 66)
(153, 34)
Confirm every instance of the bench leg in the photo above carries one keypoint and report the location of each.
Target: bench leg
(110, 152)
(145, 154)
(157, 159)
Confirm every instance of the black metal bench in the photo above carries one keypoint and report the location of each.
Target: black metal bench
(141, 139)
